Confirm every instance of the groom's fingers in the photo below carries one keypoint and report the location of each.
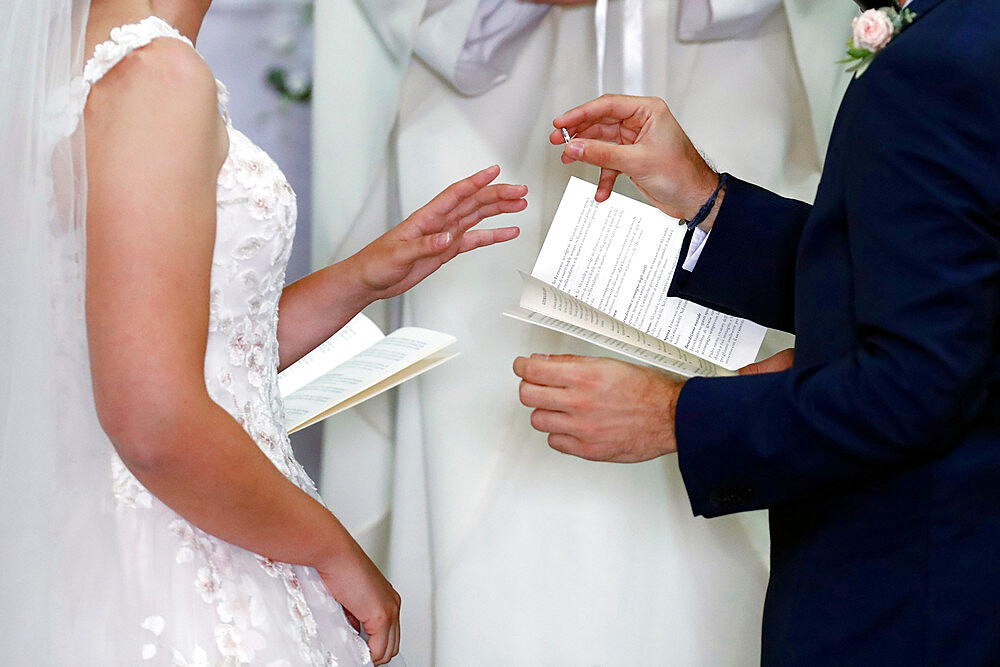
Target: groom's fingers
(551, 421)
(603, 130)
(773, 364)
(565, 443)
(600, 153)
(540, 396)
(556, 370)
(605, 108)
(606, 184)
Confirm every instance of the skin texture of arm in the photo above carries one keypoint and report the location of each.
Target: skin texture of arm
(155, 143)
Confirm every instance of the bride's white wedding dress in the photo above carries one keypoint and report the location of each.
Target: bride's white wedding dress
(201, 600)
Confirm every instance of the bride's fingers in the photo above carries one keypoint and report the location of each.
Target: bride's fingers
(378, 644)
(393, 641)
(455, 193)
(489, 210)
(488, 195)
(481, 238)
(429, 245)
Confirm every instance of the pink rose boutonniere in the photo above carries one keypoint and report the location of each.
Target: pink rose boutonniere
(873, 31)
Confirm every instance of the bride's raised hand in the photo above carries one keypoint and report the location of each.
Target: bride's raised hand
(437, 232)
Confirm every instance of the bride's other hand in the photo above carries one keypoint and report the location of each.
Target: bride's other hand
(437, 232)
(638, 137)
(368, 598)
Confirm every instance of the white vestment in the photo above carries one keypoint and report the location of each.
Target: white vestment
(506, 552)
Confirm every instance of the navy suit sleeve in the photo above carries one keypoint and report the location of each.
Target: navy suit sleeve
(922, 195)
(747, 267)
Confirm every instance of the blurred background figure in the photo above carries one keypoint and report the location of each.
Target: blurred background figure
(506, 552)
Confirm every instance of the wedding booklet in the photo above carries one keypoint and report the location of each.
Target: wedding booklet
(355, 364)
(602, 276)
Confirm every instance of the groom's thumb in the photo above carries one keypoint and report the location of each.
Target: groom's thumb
(599, 153)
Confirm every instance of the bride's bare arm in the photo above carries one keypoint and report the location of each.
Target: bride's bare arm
(154, 147)
(316, 306)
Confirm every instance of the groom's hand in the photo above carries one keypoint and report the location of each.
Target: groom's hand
(600, 409)
(638, 137)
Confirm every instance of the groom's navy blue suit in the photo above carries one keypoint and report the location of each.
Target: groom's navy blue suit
(878, 453)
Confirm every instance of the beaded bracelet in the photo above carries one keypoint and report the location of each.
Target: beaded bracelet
(707, 208)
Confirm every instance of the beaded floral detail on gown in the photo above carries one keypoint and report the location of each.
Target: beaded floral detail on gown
(205, 601)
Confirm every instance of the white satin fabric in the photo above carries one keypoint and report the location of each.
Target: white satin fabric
(505, 552)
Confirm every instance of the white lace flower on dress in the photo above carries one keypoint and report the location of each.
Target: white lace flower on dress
(123, 41)
(154, 624)
(227, 174)
(127, 490)
(241, 609)
(208, 584)
(263, 202)
(106, 56)
(232, 643)
(255, 172)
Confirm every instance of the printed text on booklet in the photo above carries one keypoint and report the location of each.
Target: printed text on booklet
(355, 364)
(602, 276)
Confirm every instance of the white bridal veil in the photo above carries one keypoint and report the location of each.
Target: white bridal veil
(60, 601)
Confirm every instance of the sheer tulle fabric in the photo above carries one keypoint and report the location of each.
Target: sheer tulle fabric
(59, 564)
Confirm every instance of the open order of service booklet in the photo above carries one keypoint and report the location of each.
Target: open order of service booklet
(355, 364)
(602, 276)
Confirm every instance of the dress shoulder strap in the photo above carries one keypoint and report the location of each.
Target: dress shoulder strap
(123, 41)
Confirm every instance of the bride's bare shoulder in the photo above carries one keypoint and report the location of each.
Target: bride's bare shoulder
(160, 96)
